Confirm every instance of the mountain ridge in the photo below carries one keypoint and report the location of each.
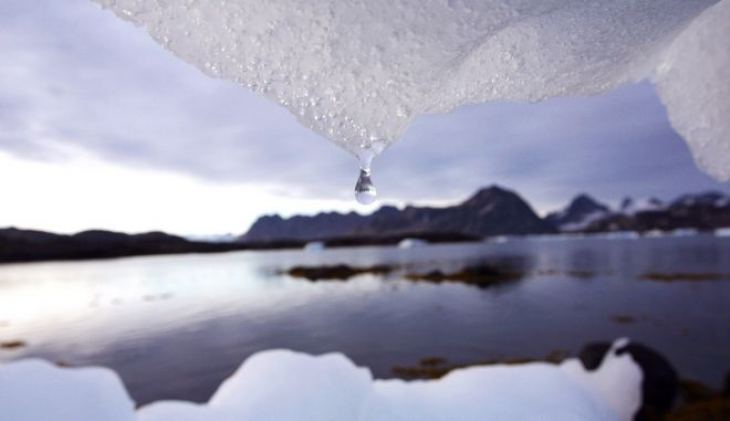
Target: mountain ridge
(490, 211)
(495, 211)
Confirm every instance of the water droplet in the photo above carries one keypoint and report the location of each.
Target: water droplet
(364, 188)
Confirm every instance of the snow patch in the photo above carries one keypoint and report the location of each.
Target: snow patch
(585, 222)
(33, 390)
(283, 385)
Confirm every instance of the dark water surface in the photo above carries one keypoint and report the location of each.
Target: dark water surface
(176, 326)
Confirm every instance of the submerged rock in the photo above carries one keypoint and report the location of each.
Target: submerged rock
(482, 275)
(684, 277)
(339, 272)
(15, 344)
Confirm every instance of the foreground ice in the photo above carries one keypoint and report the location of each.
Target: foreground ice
(288, 386)
(359, 72)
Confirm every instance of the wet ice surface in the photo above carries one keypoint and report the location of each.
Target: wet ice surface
(286, 386)
(152, 318)
(359, 72)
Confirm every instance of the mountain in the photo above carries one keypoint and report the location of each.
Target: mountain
(580, 213)
(700, 211)
(630, 206)
(490, 211)
(18, 245)
(305, 228)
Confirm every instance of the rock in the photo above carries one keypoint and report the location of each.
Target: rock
(659, 385)
(339, 272)
(482, 276)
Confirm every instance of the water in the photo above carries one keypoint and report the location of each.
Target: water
(175, 326)
(365, 192)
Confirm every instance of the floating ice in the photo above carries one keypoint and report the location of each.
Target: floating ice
(288, 386)
(360, 71)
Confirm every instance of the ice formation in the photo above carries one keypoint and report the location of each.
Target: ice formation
(360, 71)
(287, 386)
(34, 390)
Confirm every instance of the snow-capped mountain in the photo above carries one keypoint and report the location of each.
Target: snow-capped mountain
(699, 211)
(579, 214)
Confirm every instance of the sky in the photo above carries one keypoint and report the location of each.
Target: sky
(100, 127)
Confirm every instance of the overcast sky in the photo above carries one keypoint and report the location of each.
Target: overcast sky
(102, 128)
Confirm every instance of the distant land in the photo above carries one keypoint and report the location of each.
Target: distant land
(495, 211)
(490, 212)
(18, 245)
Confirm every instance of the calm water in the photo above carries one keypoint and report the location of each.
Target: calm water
(175, 326)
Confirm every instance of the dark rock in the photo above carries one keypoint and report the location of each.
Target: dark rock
(18, 245)
(660, 381)
(623, 319)
(339, 272)
(694, 391)
(12, 344)
(685, 276)
(482, 276)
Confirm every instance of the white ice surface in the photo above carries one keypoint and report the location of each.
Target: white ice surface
(360, 71)
(288, 386)
(694, 83)
(35, 390)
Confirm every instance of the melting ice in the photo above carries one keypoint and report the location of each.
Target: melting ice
(358, 72)
(287, 386)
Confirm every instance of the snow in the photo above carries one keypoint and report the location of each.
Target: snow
(35, 390)
(585, 221)
(632, 207)
(281, 385)
(359, 72)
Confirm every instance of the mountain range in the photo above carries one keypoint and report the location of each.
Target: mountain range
(496, 211)
(491, 211)
(20, 245)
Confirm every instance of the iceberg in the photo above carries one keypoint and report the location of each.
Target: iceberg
(281, 385)
(359, 72)
(409, 243)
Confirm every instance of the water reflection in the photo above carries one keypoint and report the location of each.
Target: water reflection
(175, 326)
